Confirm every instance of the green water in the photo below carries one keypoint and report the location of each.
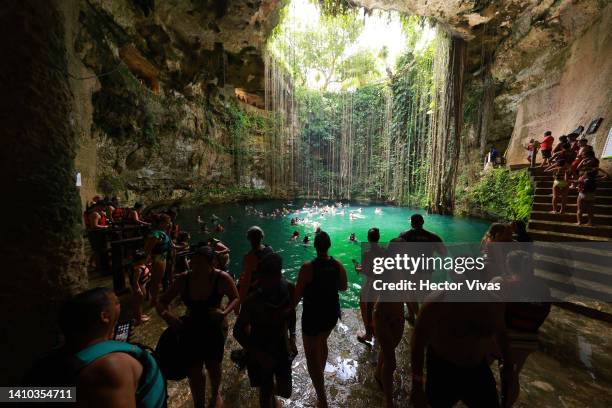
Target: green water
(278, 230)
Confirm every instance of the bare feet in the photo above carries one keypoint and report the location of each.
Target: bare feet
(218, 403)
(365, 339)
(378, 381)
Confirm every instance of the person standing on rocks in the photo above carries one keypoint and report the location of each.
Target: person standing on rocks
(266, 330)
(319, 282)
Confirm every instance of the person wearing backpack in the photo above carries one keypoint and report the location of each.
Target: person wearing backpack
(105, 372)
(203, 329)
(266, 330)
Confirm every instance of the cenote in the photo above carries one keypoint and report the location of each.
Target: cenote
(391, 221)
(238, 110)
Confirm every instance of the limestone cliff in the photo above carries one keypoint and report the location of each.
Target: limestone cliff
(170, 73)
(168, 76)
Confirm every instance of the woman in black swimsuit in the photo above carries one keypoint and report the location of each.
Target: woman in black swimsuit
(204, 327)
(319, 282)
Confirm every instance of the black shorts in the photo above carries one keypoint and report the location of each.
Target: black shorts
(448, 384)
(546, 154)
(316, 321)
(203, 341)
(279, 374)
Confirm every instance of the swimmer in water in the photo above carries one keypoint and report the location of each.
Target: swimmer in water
(352, 237)
(306, 240)
(295, 236)
(377, 211)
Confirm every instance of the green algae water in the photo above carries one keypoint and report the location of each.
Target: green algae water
(390, 220)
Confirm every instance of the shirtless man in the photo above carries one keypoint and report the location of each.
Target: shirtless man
(458, 338)
(367, 307)
(106, 373)
(248, 280)
(418, 234)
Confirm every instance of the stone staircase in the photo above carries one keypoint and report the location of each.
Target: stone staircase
(562, 245)
(545, 226)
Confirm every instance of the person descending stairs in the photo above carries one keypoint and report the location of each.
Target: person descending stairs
(573, 259)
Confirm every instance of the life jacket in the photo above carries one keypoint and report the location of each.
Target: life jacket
(151, 390)
(145, 275)
(118, 214)
(102, 218)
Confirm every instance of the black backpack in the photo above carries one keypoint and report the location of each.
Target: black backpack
(170, 355)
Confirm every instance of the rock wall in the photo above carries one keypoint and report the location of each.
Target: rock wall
(170, 76)
(42, 252)
(566, 87)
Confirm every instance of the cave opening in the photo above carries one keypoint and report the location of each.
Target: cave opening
(294, 116)
(352, 101)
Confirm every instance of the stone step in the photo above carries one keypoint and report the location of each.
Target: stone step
(600, 219)
(537, 171)
(571, 228)
(548, 183)
(591, 253)
(574, 286)
(571, 208)
(555, 236)
(547, 198)
(603, 192)
(568, 267)
(518, 166)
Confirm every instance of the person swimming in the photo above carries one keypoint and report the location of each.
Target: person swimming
(306, 239)
(295, 236)
(352, 237)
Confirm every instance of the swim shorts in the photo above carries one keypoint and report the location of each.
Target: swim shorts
(279, 374)
(448, 384)
(546, 154)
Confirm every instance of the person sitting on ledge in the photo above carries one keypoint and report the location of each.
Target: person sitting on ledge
(559, 146)
(106, 373)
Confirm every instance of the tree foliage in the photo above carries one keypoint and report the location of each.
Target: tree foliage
(322, 53)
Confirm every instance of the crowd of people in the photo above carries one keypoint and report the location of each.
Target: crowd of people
(573, 165)
(456, 343)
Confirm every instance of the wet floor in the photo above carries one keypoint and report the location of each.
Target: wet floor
(573, 368)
